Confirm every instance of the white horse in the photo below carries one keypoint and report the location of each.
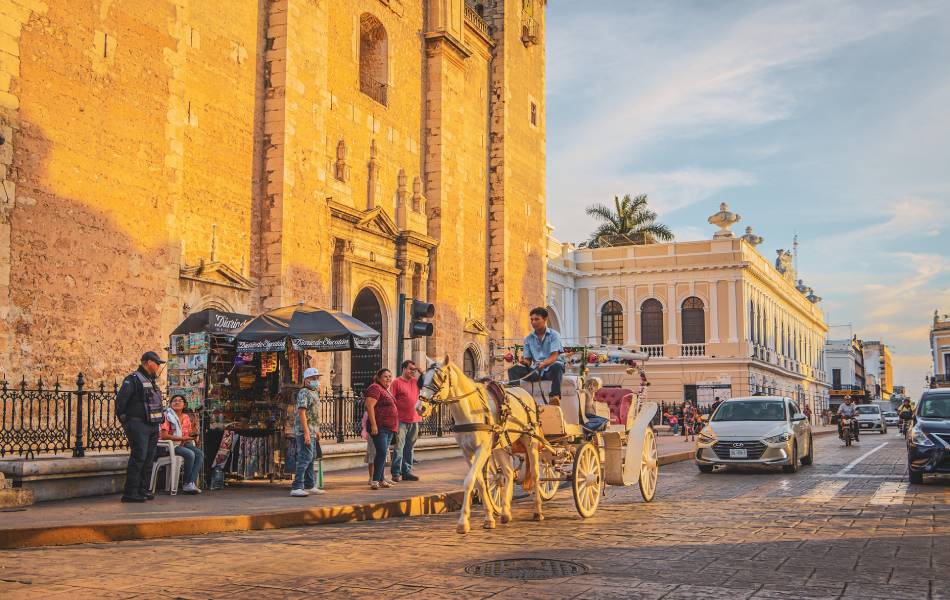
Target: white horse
(480, 430)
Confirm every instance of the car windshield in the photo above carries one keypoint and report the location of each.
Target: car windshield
(935, 408)
(751, 410)
(868, 410)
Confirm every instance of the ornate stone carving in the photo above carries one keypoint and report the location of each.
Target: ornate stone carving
(724, 220)
(418, 200)
(340, 169)
(373, 177)
(753, 239)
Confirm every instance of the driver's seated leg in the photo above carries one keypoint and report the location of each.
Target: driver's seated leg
(554, 374)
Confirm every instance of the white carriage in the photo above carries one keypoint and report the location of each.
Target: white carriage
(585, 444)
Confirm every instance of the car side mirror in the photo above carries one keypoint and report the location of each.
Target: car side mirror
(798, 417)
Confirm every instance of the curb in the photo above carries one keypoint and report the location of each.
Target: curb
(92, 533)
(97, 533)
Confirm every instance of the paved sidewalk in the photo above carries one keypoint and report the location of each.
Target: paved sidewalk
(251, 505)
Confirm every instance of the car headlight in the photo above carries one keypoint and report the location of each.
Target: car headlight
(778, 439)
(919, 438)
(706, 437)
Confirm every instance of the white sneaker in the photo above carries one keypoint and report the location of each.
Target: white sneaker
(316, 490)
(190, 488)
(299, 493)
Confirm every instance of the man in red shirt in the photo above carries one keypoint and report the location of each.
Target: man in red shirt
(406, 391)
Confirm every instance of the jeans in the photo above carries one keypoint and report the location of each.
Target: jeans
(194, 461)
(303, 475)
(676, 428)
(381, 443)
(143, 444)
(553, 374)
(403, 452)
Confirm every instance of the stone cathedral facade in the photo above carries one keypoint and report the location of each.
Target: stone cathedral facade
(167, 156)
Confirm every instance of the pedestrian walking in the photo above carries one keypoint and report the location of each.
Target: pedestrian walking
(178, 428)
(406, 392)
(307, 435)
(138, 406)
(807, 412)
(690, 417)
(675, 424)
(382, 418)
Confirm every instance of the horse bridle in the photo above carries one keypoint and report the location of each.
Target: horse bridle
(435, 390)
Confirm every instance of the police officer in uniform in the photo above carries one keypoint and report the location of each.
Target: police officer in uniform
(138, 406)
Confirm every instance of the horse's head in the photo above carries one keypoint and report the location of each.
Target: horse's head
(435, 387)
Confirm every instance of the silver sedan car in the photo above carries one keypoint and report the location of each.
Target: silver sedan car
(757, 430)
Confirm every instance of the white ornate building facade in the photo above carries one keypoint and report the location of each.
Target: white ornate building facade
(715, 316)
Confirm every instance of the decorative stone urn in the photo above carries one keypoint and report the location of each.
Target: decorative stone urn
(750, 237)
(724, 220)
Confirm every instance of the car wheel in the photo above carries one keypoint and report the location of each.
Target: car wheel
(915, 477)
(705, 468)
(792, 466)
(810, 457)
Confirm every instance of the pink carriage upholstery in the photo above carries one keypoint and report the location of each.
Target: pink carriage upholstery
(618, 400)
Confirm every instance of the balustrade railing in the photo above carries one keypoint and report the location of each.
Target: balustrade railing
(376, 90)
(652, 350)
(693, 350)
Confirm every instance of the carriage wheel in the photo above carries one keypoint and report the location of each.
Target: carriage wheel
(495, 480)
(588, 480)
(549, 471)
(649, 466)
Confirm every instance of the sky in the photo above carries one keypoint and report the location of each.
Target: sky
(829, 120)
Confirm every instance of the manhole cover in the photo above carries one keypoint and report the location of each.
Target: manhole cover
(527, 568)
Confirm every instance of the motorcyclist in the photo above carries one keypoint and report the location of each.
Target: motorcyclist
(848, 411)
(905, 413)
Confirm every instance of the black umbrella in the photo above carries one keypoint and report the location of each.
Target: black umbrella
(307, 328)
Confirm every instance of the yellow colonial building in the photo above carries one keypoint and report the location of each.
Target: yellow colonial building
(168, 156)
(715, 316)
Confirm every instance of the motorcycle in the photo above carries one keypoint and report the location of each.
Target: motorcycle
(847, 430)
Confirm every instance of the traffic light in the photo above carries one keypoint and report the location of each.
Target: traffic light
(418, 325)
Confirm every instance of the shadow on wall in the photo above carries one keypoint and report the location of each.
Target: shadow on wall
(84, 295)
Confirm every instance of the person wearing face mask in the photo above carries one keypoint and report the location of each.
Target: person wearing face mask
(138, 406)
(307, 434)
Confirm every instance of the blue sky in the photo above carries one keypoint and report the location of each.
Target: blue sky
(827, 119)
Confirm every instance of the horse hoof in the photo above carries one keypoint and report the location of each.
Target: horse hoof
(490, 525)
(462, 529)
(538, 517)
(506, 519)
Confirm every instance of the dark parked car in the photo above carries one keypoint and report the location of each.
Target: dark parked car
(928, 441)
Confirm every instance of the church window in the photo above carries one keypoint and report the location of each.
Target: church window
(374, 59)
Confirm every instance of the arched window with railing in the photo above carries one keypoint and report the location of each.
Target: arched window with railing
(374, 59)
(611, 323)
(470, 362)
(651, 322)
(693, 321)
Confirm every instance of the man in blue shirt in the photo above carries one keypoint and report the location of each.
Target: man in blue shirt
(541, 358)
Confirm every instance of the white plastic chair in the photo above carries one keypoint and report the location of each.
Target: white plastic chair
(174, 464)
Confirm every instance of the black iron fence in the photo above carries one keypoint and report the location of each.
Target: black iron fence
(41, 418)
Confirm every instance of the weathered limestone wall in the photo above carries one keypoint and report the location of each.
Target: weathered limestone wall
(145, 141)
(517, 174)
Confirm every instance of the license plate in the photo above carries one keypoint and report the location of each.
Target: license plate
(738, 453)
(866, 425)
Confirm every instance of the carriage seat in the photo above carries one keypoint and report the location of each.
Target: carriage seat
(618, 400)
(570, 396)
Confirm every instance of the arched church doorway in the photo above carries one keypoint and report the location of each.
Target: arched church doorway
(365, 363)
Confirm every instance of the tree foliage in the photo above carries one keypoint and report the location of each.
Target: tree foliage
(630, 222)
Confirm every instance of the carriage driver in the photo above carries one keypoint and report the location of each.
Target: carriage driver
(541, 358)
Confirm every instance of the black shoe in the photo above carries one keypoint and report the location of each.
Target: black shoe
(410, 477)
(133, 499)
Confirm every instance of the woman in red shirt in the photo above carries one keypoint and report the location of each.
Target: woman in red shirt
(383, 421)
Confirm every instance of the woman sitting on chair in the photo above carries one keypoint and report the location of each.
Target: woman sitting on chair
(177, 427)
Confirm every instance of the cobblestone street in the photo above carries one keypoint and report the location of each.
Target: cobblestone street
(847, 527)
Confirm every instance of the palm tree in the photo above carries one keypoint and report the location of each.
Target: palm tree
(630, 222)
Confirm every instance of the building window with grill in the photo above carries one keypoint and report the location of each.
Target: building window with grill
(836, 379)
(651, 322)
(611, 323)
(374, 59)
(694, 321)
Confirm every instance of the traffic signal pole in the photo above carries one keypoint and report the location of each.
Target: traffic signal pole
(401, 335)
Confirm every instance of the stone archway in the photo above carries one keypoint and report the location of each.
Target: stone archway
(365, 363)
